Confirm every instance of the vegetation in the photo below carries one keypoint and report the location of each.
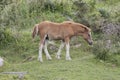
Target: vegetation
(17, 18)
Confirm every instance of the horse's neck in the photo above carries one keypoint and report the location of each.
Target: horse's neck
(77, 30)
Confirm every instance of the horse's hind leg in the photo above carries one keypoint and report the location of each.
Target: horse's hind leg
(42, 41)
(40, 50)
(59, 51)
(46, 50)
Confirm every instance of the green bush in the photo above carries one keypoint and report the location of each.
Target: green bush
(115, 59)
(6, 37)
(108, 54)
(38, 6)
(104, 13)
(88, 14)
(100, 51)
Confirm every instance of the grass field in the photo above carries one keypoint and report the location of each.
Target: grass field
(83, 66)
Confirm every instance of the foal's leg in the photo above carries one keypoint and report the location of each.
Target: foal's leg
(40, 51)
(67, 49)
(46, 51)
(42, 41)
(59, 51)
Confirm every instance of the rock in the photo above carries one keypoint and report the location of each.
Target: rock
(1, 62)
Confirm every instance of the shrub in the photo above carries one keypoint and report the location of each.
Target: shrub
(104, 13)
(103, 53)
(107, 47)
(115, 60)
(87, 14)
(111, 31)
(100, 51)
(6, 37)
(48, 5)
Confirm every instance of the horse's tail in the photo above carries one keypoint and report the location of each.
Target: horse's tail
(35, 31)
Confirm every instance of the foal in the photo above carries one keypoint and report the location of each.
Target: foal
(59, 31)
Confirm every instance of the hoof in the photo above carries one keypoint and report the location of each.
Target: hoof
(68, 58)
(57, 56)
(48, 58)
(39, 59)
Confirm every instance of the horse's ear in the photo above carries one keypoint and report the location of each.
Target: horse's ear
(87, 29)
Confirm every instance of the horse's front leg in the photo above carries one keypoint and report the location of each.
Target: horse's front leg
(46, 51)
(59, 51)
(67, 49)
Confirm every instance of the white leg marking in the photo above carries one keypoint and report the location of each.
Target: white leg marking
(46, 51)
(59, 51)
(40, 49)
(67, 52)
(40, 53)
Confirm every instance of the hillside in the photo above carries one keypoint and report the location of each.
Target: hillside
(98, 62)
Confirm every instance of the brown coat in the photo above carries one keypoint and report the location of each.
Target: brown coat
(59, 31)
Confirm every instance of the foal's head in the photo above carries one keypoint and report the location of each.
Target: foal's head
(87, 36)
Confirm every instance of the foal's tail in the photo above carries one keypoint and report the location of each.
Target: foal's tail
(35, 31)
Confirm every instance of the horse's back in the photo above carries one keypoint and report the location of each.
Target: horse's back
(56, 30)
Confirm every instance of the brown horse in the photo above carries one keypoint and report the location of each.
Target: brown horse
(59, 31)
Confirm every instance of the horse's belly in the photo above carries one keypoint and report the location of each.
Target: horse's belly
(55, 37)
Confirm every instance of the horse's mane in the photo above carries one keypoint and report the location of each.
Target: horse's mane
(71, 22)
(85, 27)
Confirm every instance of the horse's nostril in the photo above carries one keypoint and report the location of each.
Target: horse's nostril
(90, 43)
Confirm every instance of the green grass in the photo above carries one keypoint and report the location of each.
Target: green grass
(83, 66)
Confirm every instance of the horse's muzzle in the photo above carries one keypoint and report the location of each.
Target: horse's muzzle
(90, 43)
